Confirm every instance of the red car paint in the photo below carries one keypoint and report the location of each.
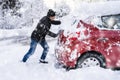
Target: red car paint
(106, 42)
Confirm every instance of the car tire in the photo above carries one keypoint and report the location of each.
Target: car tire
(91, 59)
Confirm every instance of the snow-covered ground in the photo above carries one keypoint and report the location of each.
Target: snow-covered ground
(15, 43)
(12, 69)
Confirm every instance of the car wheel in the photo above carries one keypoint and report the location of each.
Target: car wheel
(91, 59)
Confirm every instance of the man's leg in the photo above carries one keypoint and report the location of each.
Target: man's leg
(31, 50)
(45, 46)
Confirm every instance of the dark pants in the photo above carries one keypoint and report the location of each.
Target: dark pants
(33, 46)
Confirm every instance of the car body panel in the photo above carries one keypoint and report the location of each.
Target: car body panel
(105, 42)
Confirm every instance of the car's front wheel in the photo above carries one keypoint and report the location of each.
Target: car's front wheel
(91, 59)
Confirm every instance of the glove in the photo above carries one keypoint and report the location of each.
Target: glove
(60, 31)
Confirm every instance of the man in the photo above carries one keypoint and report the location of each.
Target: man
(39, 34)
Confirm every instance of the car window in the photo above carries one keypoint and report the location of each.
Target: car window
(110, 21)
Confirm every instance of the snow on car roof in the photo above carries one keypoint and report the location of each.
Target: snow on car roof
(98, 8)
(85, 10)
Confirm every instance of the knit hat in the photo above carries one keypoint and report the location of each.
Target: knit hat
(50, 13)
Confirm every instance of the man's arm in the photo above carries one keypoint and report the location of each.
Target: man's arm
(52, 34)
(56, 22)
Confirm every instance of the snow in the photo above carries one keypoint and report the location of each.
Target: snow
(88, 11)
(11, 52)
(98, 8)
(12, 69)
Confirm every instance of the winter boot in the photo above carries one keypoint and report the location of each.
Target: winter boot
(43, 61)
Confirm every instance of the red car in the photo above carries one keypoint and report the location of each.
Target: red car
(91, 45)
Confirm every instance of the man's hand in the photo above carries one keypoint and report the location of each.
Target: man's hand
(60, 31)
